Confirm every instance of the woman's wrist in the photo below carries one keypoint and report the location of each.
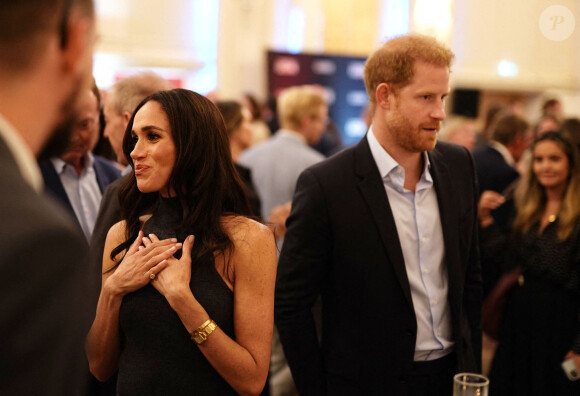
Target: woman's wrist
(190, 311)
(179, 298)
(113, 290)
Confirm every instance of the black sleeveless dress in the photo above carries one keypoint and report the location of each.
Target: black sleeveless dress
(542, 318)
(158, 356)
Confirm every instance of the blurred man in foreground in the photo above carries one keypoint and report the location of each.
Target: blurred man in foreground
(45, 62)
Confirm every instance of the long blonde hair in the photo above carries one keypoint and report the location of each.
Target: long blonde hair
(530, 196)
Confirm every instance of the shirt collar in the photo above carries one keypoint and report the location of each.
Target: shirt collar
(22, 154)
(386, 163)
(293, 134)
(507, 156)
(61, 165)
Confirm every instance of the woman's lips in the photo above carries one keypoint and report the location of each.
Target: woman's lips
(140, 169)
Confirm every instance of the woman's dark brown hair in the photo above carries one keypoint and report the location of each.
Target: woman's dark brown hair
(203, 177)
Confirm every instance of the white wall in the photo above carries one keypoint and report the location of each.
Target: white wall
(245, 34)
(482, 33)
(486, 32)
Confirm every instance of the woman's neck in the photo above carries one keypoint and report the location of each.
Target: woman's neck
(166, 195)
(552, 207)
(555, 194)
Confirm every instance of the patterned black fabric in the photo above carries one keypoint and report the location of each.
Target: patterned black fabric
(158, 357)
(542, 318)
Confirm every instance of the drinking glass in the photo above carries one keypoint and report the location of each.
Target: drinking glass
(470, 384)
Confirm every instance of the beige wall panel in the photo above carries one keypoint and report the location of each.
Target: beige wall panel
(485, 32)
(351, 26)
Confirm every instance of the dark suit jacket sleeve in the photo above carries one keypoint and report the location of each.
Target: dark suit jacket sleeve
(109, 214)
(45, 313)
(473, 291)
(106, 172)
(301, 270)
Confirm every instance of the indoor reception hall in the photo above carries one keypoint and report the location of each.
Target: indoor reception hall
(290, 197)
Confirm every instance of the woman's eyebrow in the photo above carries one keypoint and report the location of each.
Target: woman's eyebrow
(148, 128)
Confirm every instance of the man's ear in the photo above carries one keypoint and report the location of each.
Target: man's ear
(78, 41)
(305, 122)
(127, 117)
(383, 95)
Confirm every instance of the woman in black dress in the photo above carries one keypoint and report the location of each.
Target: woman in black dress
(541, 323)
(175, 316)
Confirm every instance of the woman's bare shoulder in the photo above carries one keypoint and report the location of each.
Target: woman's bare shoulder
(117, 231)
(237, 226)
(254, 251)
(245, 232)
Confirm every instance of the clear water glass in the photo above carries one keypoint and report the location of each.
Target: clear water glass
(470, 384)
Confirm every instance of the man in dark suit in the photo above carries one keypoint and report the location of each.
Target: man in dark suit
(386, 233)
(77, 178)
(45, 61)
(495, 164)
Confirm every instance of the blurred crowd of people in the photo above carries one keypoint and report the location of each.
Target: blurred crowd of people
(155, 241)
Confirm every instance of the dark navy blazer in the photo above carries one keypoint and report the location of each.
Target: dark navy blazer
(106, 173)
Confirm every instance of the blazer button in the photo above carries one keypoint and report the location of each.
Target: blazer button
(409, 333)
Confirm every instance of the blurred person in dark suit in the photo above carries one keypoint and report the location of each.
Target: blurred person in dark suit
(497, 176)
(45, 64)
(78, 178)
(496, 161)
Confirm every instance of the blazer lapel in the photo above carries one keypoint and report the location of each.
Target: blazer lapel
(447, 199)
(373, 191)
(101, 174)
(53, 184)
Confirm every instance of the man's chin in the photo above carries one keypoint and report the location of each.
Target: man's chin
(431, 144)
(60, 138)
(58, 142)
(422, 145)
(73, 157)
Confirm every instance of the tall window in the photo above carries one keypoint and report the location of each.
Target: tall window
(179, 41)
(394, 19)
